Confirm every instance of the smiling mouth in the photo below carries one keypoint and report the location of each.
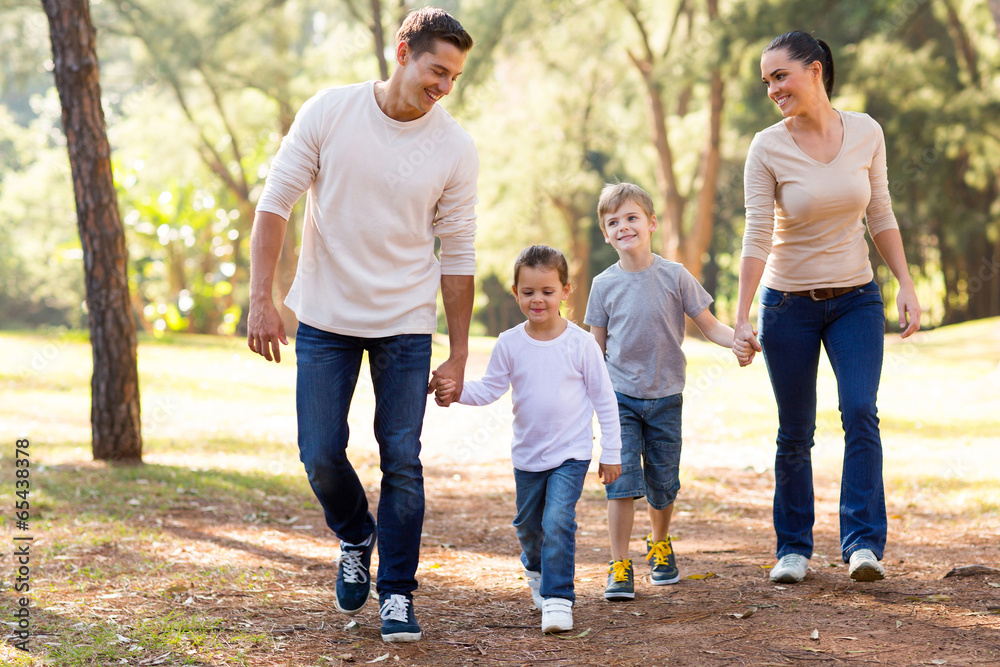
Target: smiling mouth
(780, 101)
(433, 96)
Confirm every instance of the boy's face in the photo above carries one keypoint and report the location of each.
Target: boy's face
(629, 229)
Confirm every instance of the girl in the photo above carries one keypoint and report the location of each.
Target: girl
(559, 379)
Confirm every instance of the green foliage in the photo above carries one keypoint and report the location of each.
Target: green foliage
(198, 95)
(41, 272)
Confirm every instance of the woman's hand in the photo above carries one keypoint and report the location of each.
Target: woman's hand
(909, 309)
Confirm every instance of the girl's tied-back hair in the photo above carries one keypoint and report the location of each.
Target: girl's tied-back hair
(807, 49)
(542, 257)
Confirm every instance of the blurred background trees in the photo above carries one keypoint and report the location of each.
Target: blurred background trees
(561, 97)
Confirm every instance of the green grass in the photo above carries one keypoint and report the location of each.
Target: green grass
(186, 637)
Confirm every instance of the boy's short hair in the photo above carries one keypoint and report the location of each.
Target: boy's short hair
(615, 194)
(422, 27)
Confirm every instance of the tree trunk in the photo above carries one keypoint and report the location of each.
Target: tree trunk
(672, 217)
(379, 35)
(579, 266)
(114, 410)
(697, 243)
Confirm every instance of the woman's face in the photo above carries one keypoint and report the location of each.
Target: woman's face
(792, 85)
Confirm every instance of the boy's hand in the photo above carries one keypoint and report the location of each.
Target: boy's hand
(444, 392)
(608, 473)
(745, 344)
(744, 351)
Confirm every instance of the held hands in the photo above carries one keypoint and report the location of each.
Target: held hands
(265, 330)
(444, 390)
(447, 381)
(745, 343)
(608, 473)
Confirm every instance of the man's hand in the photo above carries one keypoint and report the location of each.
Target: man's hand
(265, 330)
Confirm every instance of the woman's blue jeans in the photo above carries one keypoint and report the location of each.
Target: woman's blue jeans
(546, 524)
(851, 328)
(328, 368)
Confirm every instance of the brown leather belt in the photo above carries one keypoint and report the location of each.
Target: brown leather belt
(824, 293)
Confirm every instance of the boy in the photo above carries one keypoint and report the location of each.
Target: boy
(636, 312)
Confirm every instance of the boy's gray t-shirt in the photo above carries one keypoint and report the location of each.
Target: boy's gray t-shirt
(644, 315)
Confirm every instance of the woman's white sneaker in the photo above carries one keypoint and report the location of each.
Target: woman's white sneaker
(865, 567)
(791, 569)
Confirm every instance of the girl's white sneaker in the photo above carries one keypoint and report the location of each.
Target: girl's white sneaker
(557, 615)
(535, 584)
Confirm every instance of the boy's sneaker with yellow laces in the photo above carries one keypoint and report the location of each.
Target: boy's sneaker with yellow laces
(663, 567)
(620, 581)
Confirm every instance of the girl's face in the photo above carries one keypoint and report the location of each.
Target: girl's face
(790, 84)
(539, 292)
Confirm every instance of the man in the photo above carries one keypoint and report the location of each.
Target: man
(386, 171)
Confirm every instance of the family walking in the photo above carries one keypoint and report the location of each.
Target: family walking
(368, 278)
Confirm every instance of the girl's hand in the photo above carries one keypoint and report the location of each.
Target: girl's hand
(444, 392)
(608, 473)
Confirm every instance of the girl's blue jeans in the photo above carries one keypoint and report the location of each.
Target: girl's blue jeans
(546, 524)
(328, 368)
(851, 328)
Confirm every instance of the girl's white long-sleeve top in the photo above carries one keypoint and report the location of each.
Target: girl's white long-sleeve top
(558, 385)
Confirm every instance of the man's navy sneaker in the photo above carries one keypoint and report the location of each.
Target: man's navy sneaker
(354, 582)
(399, 623)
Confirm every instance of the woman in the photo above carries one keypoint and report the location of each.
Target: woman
(809, 182)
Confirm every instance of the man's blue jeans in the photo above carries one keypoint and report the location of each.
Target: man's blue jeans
(851, 328)
(546, 524)
(328, 368)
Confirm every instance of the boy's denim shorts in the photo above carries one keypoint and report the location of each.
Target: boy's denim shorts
(651, 449)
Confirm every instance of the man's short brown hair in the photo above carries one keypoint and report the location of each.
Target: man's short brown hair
(422, 27)
(614, 195)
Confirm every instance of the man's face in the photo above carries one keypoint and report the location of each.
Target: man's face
(428, 77)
